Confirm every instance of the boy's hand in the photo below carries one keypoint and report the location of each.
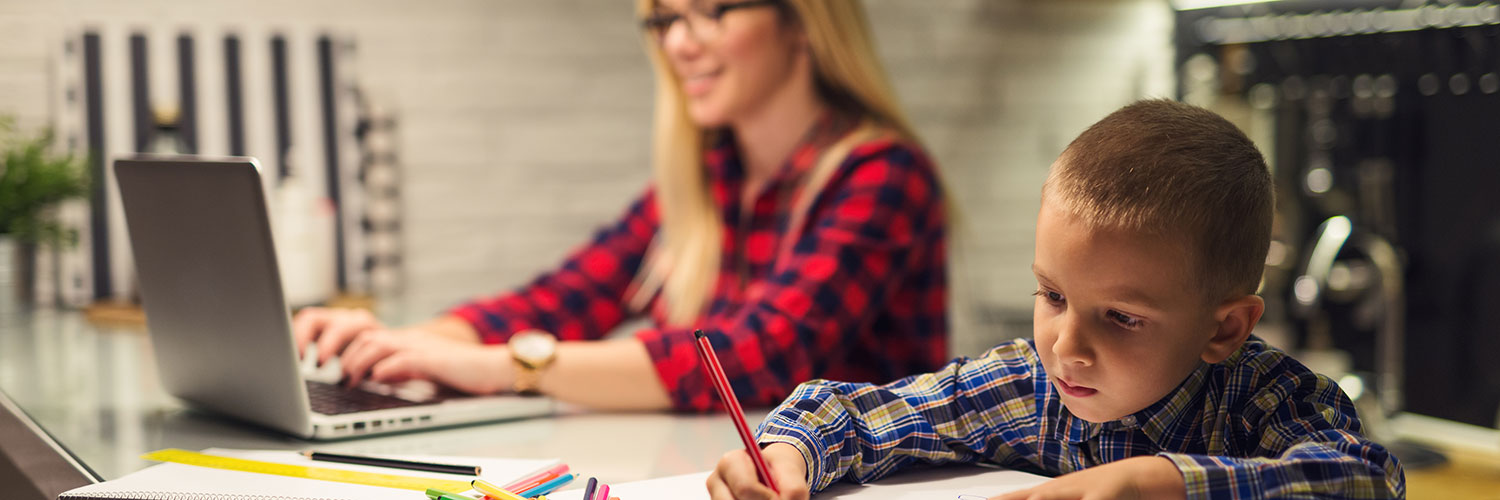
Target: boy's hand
(1132, 478)
(735, 479)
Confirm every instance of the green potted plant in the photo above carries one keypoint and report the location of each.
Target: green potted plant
(32, 179)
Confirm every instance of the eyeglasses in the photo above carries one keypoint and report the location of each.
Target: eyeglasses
(703, 19)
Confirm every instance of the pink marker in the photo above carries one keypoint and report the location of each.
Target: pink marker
(537, 479)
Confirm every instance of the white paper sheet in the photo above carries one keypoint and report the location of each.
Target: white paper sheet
(187, 481)
(940, 483)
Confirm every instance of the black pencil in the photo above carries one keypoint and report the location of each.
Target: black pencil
(467, 470)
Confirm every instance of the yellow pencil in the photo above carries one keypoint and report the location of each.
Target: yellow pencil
(495, 491)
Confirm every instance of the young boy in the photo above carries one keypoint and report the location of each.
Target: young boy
(1142, 379)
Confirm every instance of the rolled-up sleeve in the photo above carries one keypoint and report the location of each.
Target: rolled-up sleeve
(584, 297)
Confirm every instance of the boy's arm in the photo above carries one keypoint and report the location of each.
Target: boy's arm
(967, 411)
(1305, 442)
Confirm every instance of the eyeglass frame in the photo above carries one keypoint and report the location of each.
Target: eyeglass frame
(657, 26)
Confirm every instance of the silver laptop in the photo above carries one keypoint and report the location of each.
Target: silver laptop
(220, 325)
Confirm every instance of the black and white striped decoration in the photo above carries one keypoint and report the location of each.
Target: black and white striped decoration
(380, 219)
(286, 97)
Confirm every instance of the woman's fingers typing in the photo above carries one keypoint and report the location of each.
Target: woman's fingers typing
(331, 330)
(306, 326)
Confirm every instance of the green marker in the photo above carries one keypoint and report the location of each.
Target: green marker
(437, 494)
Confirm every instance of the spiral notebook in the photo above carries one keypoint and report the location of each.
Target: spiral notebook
(173, 481)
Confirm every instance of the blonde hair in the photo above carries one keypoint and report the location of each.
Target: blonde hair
(1168, 168)
(683, 261)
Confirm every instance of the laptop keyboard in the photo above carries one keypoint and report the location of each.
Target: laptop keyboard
(330, 399)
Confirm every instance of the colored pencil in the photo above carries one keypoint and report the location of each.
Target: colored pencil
(732, 404)
(467, 470)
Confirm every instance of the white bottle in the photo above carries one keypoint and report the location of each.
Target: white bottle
(303, 224)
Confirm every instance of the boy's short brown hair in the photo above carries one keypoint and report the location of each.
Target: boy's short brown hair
(1169, 168)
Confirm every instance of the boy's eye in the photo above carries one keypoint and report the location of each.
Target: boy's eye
(1050, 296)
(1123, 319)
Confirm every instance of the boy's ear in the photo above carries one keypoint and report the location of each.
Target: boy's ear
(1236, 318)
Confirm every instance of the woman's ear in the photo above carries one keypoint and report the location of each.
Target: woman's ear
(802, 51)
(1236, 319)
(797, 31)
(800, 40)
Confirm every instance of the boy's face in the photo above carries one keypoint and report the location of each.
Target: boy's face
(1118, 321)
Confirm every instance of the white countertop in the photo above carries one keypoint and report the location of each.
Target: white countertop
(94, 389)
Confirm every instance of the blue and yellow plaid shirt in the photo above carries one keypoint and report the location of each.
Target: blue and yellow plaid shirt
(1258, 425)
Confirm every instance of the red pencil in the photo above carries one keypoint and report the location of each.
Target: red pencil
(721, 384)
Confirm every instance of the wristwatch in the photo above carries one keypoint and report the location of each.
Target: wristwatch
(532, 352)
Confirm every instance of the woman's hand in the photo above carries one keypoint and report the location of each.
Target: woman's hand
(391, 356)
(445, 351)
(330, 329)
(735, 478)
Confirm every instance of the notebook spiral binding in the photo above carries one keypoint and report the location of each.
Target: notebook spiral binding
(156, 495)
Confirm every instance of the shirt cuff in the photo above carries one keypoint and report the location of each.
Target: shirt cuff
(779, 429)
(494, 326)
(675, 358)
(1209, 477)
(476, 318)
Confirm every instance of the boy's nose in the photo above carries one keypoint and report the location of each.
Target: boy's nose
(1071, 345)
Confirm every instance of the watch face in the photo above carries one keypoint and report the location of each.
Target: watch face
(533, 347)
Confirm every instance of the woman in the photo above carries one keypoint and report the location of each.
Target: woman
(793, 218)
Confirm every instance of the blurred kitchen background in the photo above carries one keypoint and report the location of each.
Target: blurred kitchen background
(441, 150)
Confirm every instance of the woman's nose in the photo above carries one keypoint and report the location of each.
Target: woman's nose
(679, 41)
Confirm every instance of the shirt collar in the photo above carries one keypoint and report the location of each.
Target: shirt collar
(1158, 422)
(723, 161)
(1164, 419)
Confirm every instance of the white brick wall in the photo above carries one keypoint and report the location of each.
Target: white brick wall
(997, 88)
(524, 124)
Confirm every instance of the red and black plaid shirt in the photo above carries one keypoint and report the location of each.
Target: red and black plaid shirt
(863, 296)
